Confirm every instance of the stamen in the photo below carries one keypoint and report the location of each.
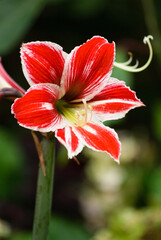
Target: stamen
(130, 59)
(78, 118)
(83, 112)
(76, 114)
(134, 68)
(82, 115)
(85, 108)
(90, 108)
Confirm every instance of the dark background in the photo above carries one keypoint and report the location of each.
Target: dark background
(97, 200)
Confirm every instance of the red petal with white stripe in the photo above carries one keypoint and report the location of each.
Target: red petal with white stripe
(87, 68)
(36, 111)
(114, 101)
(60, 135)
(42, 62)
(100, 138)
(6, 81)
(68, 138)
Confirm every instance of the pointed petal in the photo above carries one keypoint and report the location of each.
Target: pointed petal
(87, 69)
(36, 109)
(100, 138)
(114, 101)
(6, 81)
(60, 135)
(68, 138)
(42, 62)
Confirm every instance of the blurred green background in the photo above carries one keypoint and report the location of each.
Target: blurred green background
(98, 200)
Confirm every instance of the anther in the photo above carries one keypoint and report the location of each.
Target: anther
(77, 114)
(124, 66)
(81, 116)
(83, 112)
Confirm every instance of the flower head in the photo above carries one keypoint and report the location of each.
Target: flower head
(72, 94)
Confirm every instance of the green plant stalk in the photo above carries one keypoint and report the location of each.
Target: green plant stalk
(44, 192)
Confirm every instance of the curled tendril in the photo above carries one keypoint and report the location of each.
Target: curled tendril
(124, 66)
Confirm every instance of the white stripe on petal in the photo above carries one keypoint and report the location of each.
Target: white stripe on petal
(48, 106)
(4, 84)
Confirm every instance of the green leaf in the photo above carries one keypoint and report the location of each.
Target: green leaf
(16, 16)
(11, 162)
(21, 236)
(154, 189)
(87, 8)
(61, 229)
(156, 113)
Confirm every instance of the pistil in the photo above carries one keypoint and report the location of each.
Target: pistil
(126, 67)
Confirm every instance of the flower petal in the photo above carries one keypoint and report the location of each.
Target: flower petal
(36, 111)
(87, 69)
(42, 62)
(6, 81)
(68, 138)
(60, 135)
(114, 101)
(100, 138)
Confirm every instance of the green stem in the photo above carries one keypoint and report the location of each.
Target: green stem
(44, 192)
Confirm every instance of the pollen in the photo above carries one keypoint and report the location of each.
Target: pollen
(83, 112)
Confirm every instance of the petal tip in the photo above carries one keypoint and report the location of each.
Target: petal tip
(117, 160)
(140, 103)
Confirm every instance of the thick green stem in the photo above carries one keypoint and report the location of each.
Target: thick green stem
(44, 192)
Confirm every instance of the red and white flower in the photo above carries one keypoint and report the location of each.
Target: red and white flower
(6, 81)
(72, 94)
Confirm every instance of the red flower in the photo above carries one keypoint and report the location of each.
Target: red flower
(72, 94)
(6, 82)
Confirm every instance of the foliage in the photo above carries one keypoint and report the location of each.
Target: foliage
(12, 158)
(60, 229)
(16, 16)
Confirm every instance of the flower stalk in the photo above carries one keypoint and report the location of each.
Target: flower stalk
(44, 192)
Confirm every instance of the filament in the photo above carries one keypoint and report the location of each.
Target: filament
(129, 60)
(124, 66)
(82, 115)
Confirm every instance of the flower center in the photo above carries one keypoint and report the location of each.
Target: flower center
(78, 114)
